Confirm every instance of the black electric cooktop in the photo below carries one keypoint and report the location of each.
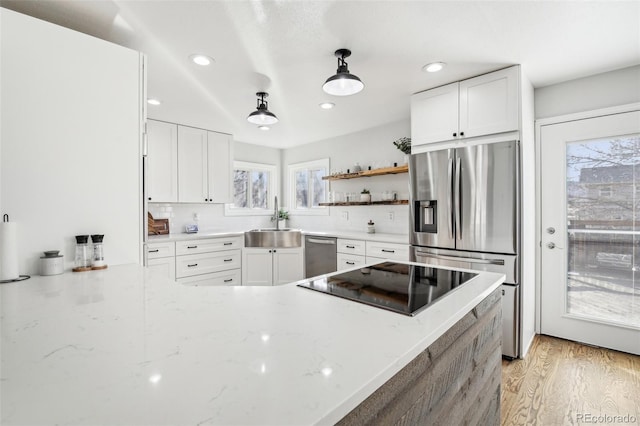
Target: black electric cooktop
(398, 287)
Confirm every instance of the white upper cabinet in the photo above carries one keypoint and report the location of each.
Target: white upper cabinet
(204, 166)
(162, 162)
(483, 105)
(192, 165)
(434, 115)
(489, 103)
(220, 167)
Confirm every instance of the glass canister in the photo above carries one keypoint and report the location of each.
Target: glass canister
(83, 257)
(98, 252)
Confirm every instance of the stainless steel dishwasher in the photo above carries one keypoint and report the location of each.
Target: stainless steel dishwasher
(319, 255)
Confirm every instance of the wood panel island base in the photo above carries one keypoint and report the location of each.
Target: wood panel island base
(455, 381)
(127, 346)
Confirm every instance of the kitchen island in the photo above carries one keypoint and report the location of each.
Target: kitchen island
(127, 346)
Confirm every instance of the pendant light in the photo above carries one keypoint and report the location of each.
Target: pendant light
(343, 83)
(262, 116)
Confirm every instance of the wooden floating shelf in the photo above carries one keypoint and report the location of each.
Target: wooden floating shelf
(368, 173)
(364, 203)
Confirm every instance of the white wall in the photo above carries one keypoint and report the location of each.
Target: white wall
(70, 140)
(372, 147)
(609, 89)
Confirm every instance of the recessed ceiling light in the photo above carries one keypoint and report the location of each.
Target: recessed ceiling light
(152, 101)
(264, 127)
(327, 105)
(203, 60)
(433, 67)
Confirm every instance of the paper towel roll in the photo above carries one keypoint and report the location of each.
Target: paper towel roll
(8, 251)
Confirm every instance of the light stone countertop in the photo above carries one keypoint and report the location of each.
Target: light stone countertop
(387, 238)
(125, 346)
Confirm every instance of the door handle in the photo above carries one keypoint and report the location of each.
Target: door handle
(551, 230)
(449, 198)
(458, 207)
(316, 241)
(461, 259)
(551, 245)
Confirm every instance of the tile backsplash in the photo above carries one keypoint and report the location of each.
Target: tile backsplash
(391, 219)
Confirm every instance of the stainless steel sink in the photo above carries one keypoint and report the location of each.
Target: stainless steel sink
(273, 238)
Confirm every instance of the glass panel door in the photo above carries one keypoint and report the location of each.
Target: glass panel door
(590, 206)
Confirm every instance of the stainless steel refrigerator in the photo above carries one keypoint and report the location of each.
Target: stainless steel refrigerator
(465, 212)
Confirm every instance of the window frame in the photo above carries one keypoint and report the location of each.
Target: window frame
(292, 169)
(272, 169)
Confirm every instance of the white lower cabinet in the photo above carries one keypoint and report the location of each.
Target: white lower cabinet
(166, 265)
(393, 251)
(265, 266)
(346, 261)
(209, 261)
(232, 277)
(352, 253)
(161, 257)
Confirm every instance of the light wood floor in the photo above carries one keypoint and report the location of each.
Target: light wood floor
(563, 383)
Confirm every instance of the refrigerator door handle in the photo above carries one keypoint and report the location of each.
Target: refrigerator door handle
(461, 259)
(450, 198)
(457, 211)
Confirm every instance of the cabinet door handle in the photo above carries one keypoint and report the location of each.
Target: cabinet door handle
(190, 247)
(192, 265)
(228, 244)
(461, 133)
(350, 247)
(228, 260)
(154, 251)
(149, 198)
(229, 280)
(388, 251)
(350, 263)
(455, 134)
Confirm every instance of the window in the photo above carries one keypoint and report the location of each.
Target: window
(306, 187)
(254, 186)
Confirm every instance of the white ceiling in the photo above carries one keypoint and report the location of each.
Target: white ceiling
(286, 48)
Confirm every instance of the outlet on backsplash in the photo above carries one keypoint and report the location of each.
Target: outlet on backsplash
(345, 215)
(391, 216)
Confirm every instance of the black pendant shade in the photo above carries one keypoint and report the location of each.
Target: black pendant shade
(262, 116)
(343, 83)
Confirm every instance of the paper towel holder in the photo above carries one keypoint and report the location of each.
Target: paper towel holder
(5, 219)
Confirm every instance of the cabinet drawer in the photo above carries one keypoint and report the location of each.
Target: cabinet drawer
(346, 261)
(158, 250)
(166, 265)
(206, 263)
(225, 278)
(207, 245)
(387, 250)
(351, 246)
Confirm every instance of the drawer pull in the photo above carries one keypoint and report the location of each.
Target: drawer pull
(191, 266)
(228, 260)
(228, 244)
(350, 263)
(154, 251)
(190, 247)
(350, 247)
(388, 251)
(229, 280)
